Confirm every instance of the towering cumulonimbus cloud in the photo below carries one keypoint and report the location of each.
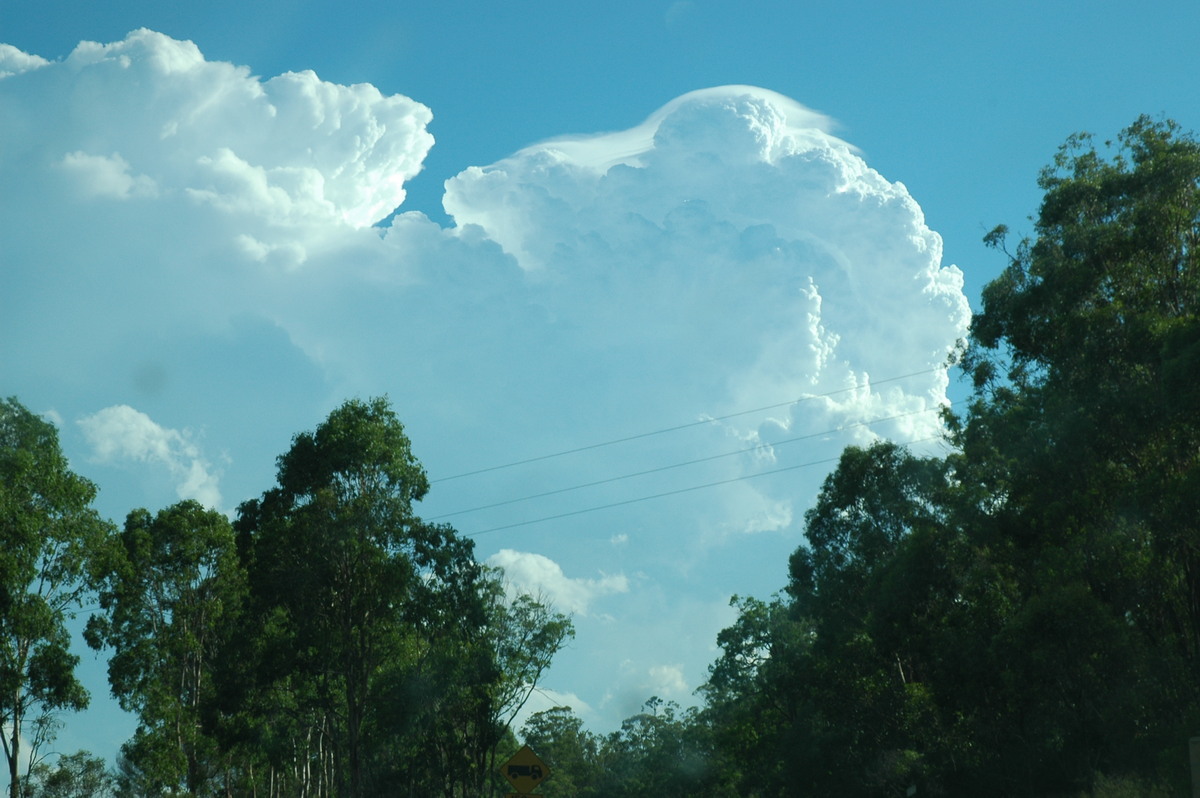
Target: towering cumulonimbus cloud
(732, 234)
(188, 246)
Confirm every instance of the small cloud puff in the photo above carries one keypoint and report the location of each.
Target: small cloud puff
(123, 433)
(536, 574)
(668, 681)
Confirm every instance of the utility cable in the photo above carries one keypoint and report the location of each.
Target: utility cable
(669, 493)
(745, 450)
(707, 420)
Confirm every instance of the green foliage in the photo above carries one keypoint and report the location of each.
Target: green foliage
(656, 752)
(1020, 617)
(330, 643)
(77, 775)
(344, 576)
(1093, 450)
(374, 655)
(170, 586)
(526, 633)
(47, 530)
(557, 736)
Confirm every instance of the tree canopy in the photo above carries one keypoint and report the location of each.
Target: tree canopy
(47, 529)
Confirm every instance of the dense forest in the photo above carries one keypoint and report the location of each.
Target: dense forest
(1020, 617)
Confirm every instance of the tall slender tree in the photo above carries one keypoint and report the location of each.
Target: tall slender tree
(346, 579)
(170, 585)
(47, 529)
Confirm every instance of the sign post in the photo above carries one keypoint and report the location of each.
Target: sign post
(524, 771)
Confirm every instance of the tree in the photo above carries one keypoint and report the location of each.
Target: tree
(866, 588)
(347, 584)
(571, 751)
(47, 529)
(492, 670)
(655, 752)
(526, 633)
(170, 586)
(1022, 617)
(751, 700)
(77, 775)
(1084, 431)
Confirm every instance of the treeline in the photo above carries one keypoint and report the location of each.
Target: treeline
(1022, 616)
(328, 642)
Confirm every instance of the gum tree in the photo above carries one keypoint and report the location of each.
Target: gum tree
(170, 585)
(47, 528)
(347, 582)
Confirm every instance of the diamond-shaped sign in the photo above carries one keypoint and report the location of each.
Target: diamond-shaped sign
(524, 770)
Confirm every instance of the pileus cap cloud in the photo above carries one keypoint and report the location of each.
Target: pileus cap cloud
(772, 115)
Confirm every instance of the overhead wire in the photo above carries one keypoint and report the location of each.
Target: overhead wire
(665, 494)
(659, 469)
(688, 425)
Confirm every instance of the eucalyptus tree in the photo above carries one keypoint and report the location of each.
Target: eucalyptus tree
(47, 530)
(77, 775)
(1086, 432)
(655, 752)
(572, 752)
(347, 583)
(170, 586)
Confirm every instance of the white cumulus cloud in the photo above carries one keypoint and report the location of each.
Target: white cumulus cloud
(14, 62)
(667, 681)
(538, 575)
(123, 433)
(288, 148)
(730, 253)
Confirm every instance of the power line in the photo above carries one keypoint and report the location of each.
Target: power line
(668, 493)
(665, 430)
(659, 469)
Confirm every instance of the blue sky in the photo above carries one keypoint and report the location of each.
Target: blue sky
(190, 276)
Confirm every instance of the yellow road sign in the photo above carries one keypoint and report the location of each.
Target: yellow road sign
(524, 770)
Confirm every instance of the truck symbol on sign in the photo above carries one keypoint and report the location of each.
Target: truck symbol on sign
(531, 771)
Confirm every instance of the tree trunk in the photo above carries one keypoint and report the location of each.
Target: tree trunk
(354, 728)
(14, 751)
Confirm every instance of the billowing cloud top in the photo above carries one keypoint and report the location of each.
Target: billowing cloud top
(158, 115)
(730, 218)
